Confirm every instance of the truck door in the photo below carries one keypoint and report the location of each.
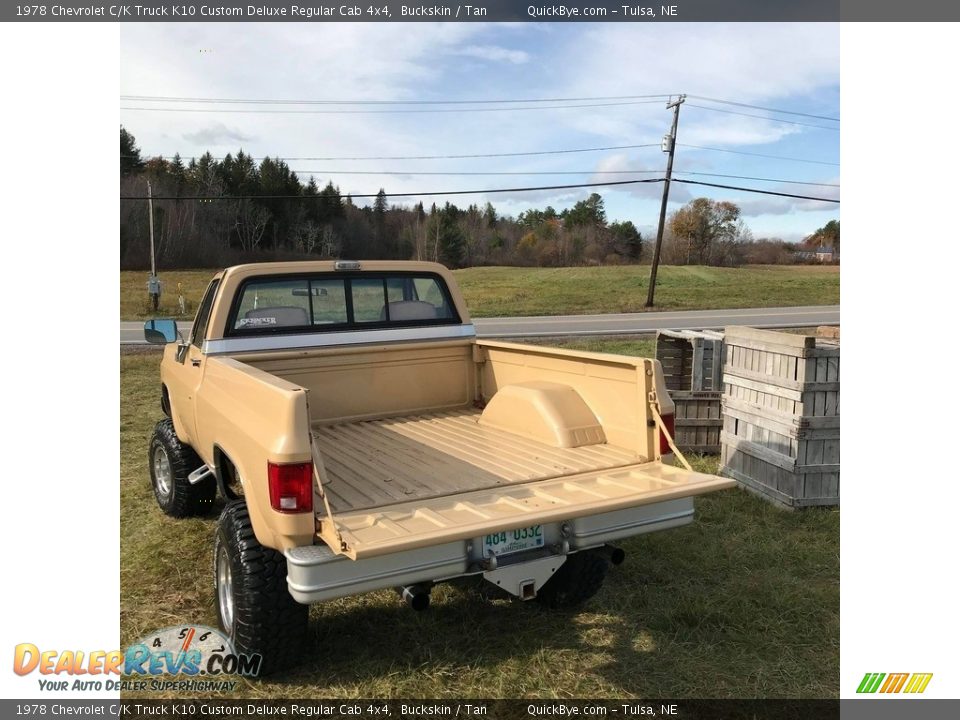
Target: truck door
(185, 375)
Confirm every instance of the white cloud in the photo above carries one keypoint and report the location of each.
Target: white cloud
(494, 53)
(749, 62)
(216, 134)
(752, 206)
(620, 162)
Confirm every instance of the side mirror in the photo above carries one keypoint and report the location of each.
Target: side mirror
(160, 332)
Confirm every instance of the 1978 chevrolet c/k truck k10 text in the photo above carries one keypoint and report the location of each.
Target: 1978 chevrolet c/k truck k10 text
(365, 439)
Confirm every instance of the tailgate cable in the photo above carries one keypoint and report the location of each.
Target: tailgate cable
(666, 434)
(319, 474)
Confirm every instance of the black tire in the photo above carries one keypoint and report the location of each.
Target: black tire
(577, 580)
(264, 619)
(171, 462)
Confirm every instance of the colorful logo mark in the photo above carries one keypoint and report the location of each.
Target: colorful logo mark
(894, 683)
(183, 649)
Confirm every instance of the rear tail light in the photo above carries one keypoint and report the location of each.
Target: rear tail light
(291, 487)
(664, 444)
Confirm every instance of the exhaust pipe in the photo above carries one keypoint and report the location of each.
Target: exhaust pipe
(615, 555)
(417, 596)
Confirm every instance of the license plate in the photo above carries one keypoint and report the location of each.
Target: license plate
(513, 541)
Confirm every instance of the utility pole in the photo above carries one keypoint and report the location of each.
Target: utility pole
(153, 283)
(671, 141)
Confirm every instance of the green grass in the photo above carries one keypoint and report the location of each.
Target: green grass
(511, 291)
(744, 602)
(135, 303)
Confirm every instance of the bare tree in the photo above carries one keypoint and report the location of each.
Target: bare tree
(306, 236)
(331, 244)
(250, 223)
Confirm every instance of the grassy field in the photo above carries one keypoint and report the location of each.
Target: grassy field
(745, 602)
(510, 291)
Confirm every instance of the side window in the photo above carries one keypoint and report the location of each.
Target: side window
(429, 290)
(203, 314)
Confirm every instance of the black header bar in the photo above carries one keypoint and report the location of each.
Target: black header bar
(487, 11)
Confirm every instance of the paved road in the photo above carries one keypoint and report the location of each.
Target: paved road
(624, 324)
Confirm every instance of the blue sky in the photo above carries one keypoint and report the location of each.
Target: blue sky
(792, 66)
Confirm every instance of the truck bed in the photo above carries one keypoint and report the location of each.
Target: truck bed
(383, 462)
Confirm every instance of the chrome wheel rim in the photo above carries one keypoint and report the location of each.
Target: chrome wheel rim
(225, 589)
(162, 472)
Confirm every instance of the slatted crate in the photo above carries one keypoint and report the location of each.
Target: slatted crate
(781, 416)
(692, 360)
(692, 364)
(697, 421)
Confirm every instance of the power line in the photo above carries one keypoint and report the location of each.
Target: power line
(467, 173)
(552, 172)
(408, 194)
(424, 157)
(472, 173)
(767, 109)
(764, 117)
(392, 111)
(758, 191)
(770, 157)
(156, 98)
(502, 101)
(757, 179)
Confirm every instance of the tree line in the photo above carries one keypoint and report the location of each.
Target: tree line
(235, 209)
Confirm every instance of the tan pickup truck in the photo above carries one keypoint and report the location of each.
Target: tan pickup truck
(364, 438)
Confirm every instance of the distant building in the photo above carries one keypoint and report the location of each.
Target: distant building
(820, 254)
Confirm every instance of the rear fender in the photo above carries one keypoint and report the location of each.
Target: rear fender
(255, 418)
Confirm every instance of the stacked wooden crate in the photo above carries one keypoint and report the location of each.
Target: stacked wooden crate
(781, 416)
(692, 364)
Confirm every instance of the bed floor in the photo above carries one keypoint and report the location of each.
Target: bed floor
(381, 462)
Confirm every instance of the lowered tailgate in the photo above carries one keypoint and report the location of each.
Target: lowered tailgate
(410, 525)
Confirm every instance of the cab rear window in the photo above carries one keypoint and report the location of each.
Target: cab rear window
(336, 302)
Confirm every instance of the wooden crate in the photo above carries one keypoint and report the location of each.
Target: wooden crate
(789, 375)
(781, 416)
(790, 487)
(697, 421)
(692, 360)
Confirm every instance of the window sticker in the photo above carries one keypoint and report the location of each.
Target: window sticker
(256, 321)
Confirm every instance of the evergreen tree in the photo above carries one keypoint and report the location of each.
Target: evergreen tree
(627, 240)
(380, 204)
(490, 215)
(589, 212)
(447, 235)
(331, 207)
(130, 160)
(178, 172)
(380, 220)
